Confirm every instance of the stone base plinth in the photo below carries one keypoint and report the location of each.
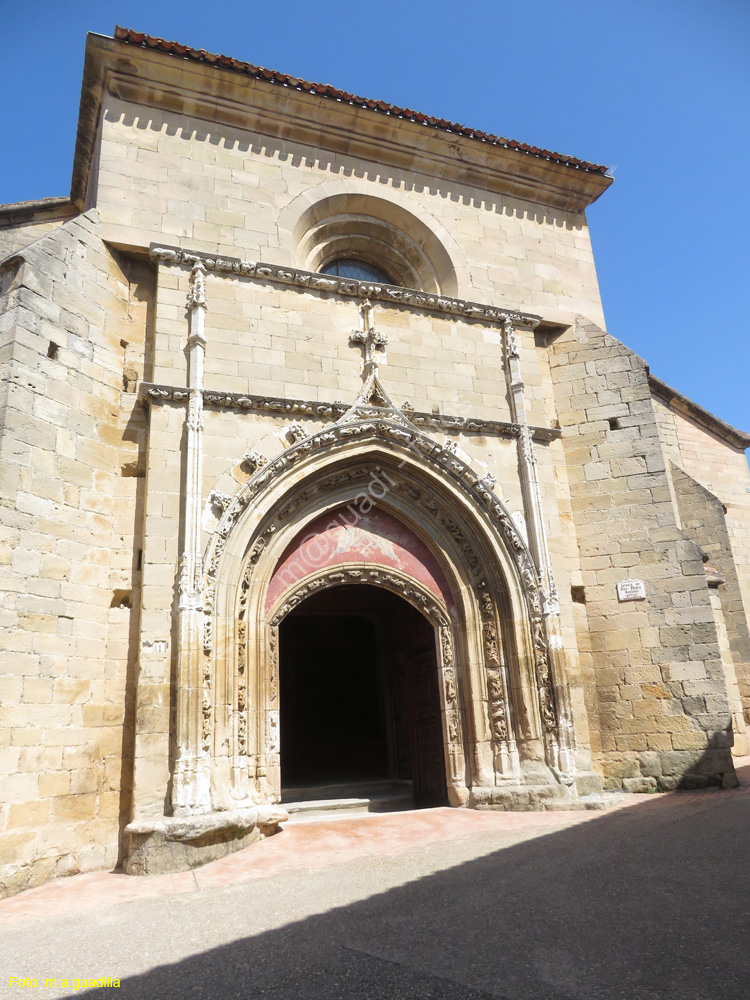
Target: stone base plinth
(178, 843)
(521, 798)
(588, 783)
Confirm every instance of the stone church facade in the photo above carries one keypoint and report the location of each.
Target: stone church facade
(319, 465)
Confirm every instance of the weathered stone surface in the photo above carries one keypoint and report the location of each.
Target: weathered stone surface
(156, 461)
(643, 784)
(154, 854)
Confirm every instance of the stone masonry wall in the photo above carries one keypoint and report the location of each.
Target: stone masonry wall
(67, 543)
(563, 545)
(269, 340)
(20, 229)
(663, 714)
(719, 468)
(202, 184)
(702, 517)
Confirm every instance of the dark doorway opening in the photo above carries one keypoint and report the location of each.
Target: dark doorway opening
(359, 694)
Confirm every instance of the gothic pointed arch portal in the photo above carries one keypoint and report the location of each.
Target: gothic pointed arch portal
(506, 715)
(458, 559)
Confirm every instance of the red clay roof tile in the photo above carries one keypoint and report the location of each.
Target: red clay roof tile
(325, 90)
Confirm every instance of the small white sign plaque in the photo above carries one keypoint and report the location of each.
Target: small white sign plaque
(631, 590)
(154, 645)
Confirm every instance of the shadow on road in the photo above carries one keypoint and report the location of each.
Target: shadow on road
(641, 903)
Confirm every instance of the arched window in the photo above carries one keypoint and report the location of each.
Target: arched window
(353, 229)
(359, 270)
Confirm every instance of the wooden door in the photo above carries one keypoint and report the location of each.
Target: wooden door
(427, 754)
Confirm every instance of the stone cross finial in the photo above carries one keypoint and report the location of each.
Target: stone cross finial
(369, 336)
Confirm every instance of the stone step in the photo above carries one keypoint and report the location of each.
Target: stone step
(383, 799)
(345, 790)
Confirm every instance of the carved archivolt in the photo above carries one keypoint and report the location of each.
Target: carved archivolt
(422, 599)
(497, 680)
(253, 689)
(412, 441)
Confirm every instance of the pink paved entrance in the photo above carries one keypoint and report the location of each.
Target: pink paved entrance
(300, 846)
(324, 843)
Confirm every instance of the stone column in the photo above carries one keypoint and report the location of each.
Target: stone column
(560, 742)
(192, 769)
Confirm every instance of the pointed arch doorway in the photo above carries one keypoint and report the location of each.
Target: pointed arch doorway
(359, 695)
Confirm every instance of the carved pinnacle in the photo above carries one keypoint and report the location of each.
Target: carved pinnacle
(368, 336)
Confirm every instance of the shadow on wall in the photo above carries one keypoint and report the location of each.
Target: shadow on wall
(688, 770)
(644, 903)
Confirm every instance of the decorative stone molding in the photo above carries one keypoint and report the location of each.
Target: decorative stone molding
(380, 576)
(151, 393)
(497, 706)
(410, 440)
(253, 460)
(219, 500)
(451, 708)
(407, 439)
(370, 338)
(284, 406)
(241, 706)
(296, 432)
(197, 291)
(498, 690)
(549, 653)
(273, 742)
(191, 777)
(273, 667)
(295, 278)
(511, 343)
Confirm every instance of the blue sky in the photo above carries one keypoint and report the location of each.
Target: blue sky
(659, 90)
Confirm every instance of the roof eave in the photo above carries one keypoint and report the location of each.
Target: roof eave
(704, 418)
(19, 212)
(135, 73)
(92, 92)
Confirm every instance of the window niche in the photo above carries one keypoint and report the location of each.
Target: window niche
(383, 241)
